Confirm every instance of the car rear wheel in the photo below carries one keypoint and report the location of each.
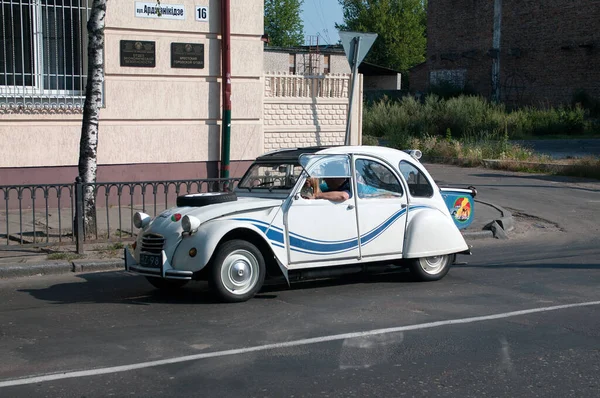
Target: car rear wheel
(166, 284)
(430, 268)
(238, 271)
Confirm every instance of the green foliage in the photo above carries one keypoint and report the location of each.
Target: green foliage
(466, 116)
(370, 140)
(400, 25)
(283, 23)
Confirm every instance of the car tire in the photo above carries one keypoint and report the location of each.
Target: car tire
(166, 284)
(237, 271)
(205, 199)
(427, 269)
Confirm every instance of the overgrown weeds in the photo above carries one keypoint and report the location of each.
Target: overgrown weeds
(471, 115)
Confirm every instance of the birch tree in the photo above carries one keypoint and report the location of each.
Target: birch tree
(88, 145)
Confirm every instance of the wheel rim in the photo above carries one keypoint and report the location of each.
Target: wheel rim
(433, 265)
(239, 273)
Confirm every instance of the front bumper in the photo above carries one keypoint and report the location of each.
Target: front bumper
(165, 270)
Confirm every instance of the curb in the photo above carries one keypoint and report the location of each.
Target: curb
(55, 268)
(505, 222)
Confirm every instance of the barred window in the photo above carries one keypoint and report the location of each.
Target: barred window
(43, 51)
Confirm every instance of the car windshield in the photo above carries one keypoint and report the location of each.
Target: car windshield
(276, 175)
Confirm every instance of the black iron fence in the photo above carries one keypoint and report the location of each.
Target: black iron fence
(51, 214)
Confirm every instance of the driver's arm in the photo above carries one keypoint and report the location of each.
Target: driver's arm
(337, 196)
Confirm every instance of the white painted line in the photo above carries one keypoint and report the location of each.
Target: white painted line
(314, 340)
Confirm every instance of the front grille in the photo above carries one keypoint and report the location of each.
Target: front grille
(153, 243)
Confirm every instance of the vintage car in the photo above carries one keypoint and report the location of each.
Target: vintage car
(281, 221)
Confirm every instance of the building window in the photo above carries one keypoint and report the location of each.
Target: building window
(292, 62)
(43, 51)
(326, 64)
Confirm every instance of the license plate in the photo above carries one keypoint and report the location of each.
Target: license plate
(150, 260)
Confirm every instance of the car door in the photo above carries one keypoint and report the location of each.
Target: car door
(382, 209)
(320, 230)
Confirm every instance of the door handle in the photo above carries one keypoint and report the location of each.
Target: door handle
(403, 206)
(350, 207)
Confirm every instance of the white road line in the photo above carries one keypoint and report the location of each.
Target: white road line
(314, 340)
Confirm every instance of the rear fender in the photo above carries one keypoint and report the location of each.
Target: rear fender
(429, 232)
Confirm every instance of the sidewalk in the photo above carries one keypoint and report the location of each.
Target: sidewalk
(19, 262)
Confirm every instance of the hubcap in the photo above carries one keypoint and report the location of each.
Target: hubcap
(433, 265)
(239, 272)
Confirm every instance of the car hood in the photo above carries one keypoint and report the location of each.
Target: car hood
(165, 225)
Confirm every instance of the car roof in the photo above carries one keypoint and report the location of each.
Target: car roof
(376, 151)
(289, 154)
(292, 154)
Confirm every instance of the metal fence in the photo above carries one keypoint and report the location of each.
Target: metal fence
(48, 214)
(43, 53)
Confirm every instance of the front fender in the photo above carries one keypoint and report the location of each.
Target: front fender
(429, 232)
(205, 240)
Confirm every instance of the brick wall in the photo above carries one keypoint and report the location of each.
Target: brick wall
(300, 111)
(548, 48)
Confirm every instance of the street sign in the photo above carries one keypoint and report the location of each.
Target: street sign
(366, 41)
(356, 46)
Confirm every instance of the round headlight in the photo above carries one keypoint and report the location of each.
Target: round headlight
(190, 223)
(141, 220)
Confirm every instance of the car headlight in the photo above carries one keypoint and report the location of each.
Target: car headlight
(141, 220)
(190, 223)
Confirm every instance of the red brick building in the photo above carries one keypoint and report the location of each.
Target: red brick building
(538, 51)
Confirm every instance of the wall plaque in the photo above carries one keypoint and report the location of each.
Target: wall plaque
(187, 55)
(137, 53)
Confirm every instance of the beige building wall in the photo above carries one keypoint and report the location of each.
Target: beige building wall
(160, 114)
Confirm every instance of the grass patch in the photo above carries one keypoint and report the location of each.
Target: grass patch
(64, 256)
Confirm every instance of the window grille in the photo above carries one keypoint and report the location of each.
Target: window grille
(43, 53)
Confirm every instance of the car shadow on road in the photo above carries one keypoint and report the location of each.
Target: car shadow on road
(123, 288)
(397, 276)
(530, 266)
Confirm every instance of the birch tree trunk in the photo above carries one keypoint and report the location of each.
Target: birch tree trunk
(88, 144)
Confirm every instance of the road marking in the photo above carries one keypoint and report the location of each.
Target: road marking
(314, 340)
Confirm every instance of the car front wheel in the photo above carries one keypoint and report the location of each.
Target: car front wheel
(430, 268)
(238, 271)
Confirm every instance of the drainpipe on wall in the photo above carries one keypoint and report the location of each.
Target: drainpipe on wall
(226, 87)
(496, 50)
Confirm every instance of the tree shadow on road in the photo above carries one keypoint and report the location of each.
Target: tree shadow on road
(542, 177)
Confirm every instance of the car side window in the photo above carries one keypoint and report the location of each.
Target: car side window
(418, 184)
(374, 180)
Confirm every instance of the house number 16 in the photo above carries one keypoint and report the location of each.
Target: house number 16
(202, 13)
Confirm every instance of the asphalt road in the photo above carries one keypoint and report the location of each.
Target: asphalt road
(560, 149)
(497, 325)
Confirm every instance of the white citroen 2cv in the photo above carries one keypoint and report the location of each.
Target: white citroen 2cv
(307, 213)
